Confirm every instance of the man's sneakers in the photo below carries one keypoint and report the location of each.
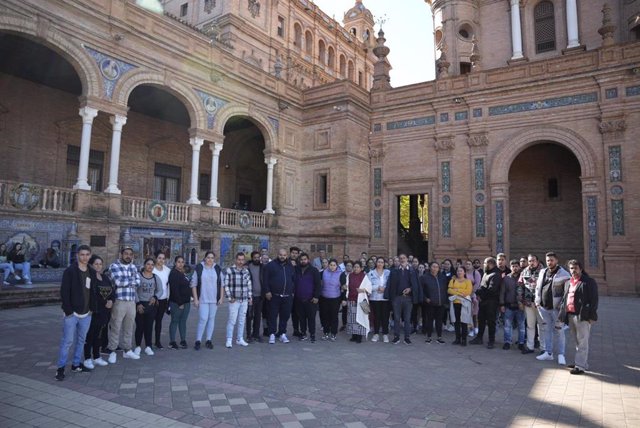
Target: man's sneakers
(241, 342)
(545, 357)
(284, 338)
(88, 363)
(576, 371)
(476, 341)
(80, 368)
(272, 339)
(440, 341)
(506, 346)
(375, 337)
(526, 350)
(228, 343)
(561, 360)
(208, 344)
(173, 345)
(112, 358)
(385, 338)
(130, 355)
(100, 362)
(149, 351)
(60, 374)
(396, 340)
(137, 351)
(427, 340)
(407, 341)
(197, 345)
(183, 344)
(490, 345)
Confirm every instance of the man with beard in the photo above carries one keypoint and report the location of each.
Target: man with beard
(529, 280)
(511, 306)
(254, 314)
(307, 294)
(489, 294)
(278, 287)
(294, 253)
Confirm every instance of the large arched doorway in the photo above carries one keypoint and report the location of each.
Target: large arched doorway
(243, 172)
(545, 203)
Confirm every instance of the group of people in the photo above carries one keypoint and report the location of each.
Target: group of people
(14, 260)
(114, 309)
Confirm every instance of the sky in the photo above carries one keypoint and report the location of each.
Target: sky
(409, 33)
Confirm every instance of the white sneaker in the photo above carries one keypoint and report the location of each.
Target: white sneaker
(131, 355)
(100, 362)
(272, 339)
(561, 360)
(149, 351)
(545, 357)
(475, 331)
(6, 283)
(88, 363)
(451, 328)
(375, 338)
(228, 344)
(137, 350)
(284, 338)
(385, 338)
(17, 277)
(112, 358)
(241, 342)
(472, 333)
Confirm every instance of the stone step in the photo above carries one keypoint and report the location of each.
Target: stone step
(13, 297)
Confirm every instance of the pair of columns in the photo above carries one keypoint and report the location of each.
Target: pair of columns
(516, 27)
(118, 121)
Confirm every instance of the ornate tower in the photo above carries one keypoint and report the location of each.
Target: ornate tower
(359, 22)
(456, 25)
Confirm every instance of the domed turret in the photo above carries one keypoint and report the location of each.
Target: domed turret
(359, 22)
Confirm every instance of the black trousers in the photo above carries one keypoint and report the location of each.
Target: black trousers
(162, 308)
(487, 318)
(461, 327)
(329, 314)
(254, 316)
(97, 332)
(295, 322)
(380, 309)
(306, 311)
(279, 313)
(434, 314)
(144, 323)
(344, 311)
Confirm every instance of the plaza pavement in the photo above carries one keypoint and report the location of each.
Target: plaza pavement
(301, 384)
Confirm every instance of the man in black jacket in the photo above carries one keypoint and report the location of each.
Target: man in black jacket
(78, 294)
(278, 288)
(308, 288)
(403, 291)
(434, 287)
(489, 295)
(254, 314)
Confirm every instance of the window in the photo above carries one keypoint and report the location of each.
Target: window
(321, 193)
(280, 26)
(96, 162)
(166, 182)
(297, 35)
(184, 9)
(331, 58)
(465, 67)
(352, 72)
(209, 5)
(204, 188)
(343, 66)
(308, 42)
(545, 27)
(553, 190)
(360, 79)
(322, 52)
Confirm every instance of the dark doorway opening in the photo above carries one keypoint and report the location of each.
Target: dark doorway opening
(413, 225)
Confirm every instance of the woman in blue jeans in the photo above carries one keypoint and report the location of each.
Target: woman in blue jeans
(179, 303)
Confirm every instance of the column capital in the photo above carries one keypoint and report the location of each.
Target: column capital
(88, 114)
(216, 148)
(270, 161)
(196, 143)
(118, 121)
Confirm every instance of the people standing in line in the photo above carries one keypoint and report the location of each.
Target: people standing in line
(435, 290)
(549, 293)
(236, 281)
(100, 317)
(358, 288)
(348, 268)
(78, 291)
(206, 290)
(403, 291)
(489, 295)
(330, 300)
(179, 303)
(579, 310)
(126, 279)
(529, 280)
(460, 289)
(278, 287)
(146, 305)
(306, 296)
(379, 277)
(162, 271)
(511, 305)
(6, 265)
(20, 259)
(254, 313)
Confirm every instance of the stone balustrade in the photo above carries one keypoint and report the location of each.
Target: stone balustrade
(33, 197)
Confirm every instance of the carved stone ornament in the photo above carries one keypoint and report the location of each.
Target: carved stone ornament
(444, 144)
(254, 8)
(157, 211)
(615, 127)
(478, 140)
(244, 220)
(25, 196)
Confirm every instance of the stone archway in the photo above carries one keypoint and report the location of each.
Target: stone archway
(268, 126)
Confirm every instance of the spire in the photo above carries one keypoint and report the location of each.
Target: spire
(381, 78)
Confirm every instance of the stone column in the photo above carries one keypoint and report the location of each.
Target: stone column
(216, 148)
(88, 114)
(270, 161)
(572, 24)
(516, 30)
(196, 143)
(118, 122)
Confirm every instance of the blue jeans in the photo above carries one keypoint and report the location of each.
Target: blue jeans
(207, 313)
(402, 306)
(553, 331)
(518, 316)
(25, 270)
(74, 332)
(7, 269)
(178, 321)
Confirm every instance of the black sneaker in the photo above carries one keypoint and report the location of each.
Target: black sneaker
(456, 342)
(440, 341)
(463, 341)
(265, 332)
(506, 346)
(476, 341)
(183, 344)
(490, 345)
(427, 340)
(571, 366)
(521, 347)
(527, 351)
(197, 345)
(396, 340)
(313, 339)
(60, 373)
(80, 369)
(576, 371)
(173, 345)
(208, 344)
(407, 341)
(343, 328)
(303, 337)
(297, 334)
(159, 345)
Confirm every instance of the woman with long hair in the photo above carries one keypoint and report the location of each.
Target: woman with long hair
(146, 305)
(19, 258)
(100, 316)
(461, 288)
(379, 305)
(358, 288)
(162, 271)
(330, 300)
(6, 265)
(207, 296)
(179, 303)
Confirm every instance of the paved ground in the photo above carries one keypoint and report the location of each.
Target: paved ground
(321, 384)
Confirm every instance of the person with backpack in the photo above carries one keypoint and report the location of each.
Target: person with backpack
(205, 287)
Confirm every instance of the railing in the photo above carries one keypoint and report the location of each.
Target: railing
(145, 209)
(243, 219)
(26, 196)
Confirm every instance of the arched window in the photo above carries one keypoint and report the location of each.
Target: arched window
(297, 35)
(545, 27)
(331, 58)
(322, 52)
(343, 66)
(351, 69)
(308, 42)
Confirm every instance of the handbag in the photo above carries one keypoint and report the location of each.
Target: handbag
(364, 305)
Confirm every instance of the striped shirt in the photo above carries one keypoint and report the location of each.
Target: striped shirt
(237, 283)
(126, 278)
